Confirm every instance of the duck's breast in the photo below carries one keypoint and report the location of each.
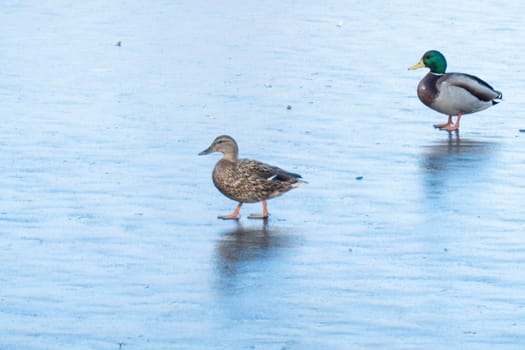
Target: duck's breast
(225, 179)
(234, 180)
(427, 90)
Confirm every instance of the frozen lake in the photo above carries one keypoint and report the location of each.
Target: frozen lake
(108, 230)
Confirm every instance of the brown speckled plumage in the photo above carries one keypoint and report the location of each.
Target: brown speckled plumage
(246, 180)
(250, 181)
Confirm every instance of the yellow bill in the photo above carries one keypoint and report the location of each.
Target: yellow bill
(418, 65)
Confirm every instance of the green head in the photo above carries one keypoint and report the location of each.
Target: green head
(434, 60)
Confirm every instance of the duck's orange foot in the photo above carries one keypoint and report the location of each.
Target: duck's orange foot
(264, 215)
(444, 125)
(232, 216)
(258, 216)
(451, 127)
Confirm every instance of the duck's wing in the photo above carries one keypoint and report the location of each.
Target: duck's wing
(474, 85)
(266, 171)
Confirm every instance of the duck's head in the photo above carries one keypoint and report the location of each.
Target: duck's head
(434, 60)
(224, 144)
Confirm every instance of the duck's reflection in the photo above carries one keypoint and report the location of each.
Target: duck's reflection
(246, 249)
(455, 163)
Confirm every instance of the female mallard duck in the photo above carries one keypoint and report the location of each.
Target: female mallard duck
(245, 180)
(452, 93)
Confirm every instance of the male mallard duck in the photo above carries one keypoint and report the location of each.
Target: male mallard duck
(245, 180)
(452, 93)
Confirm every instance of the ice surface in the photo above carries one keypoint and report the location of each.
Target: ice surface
(108, 227)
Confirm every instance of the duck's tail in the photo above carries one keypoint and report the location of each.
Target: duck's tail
(498, 98)
(299, 183)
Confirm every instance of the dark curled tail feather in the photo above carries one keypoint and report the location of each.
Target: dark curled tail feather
(499, 98)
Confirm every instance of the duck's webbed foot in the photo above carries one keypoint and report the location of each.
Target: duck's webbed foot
(264, 215)
(233, 216)
(445, 125)
(449, 126)
(258, 216)
(452, 127)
